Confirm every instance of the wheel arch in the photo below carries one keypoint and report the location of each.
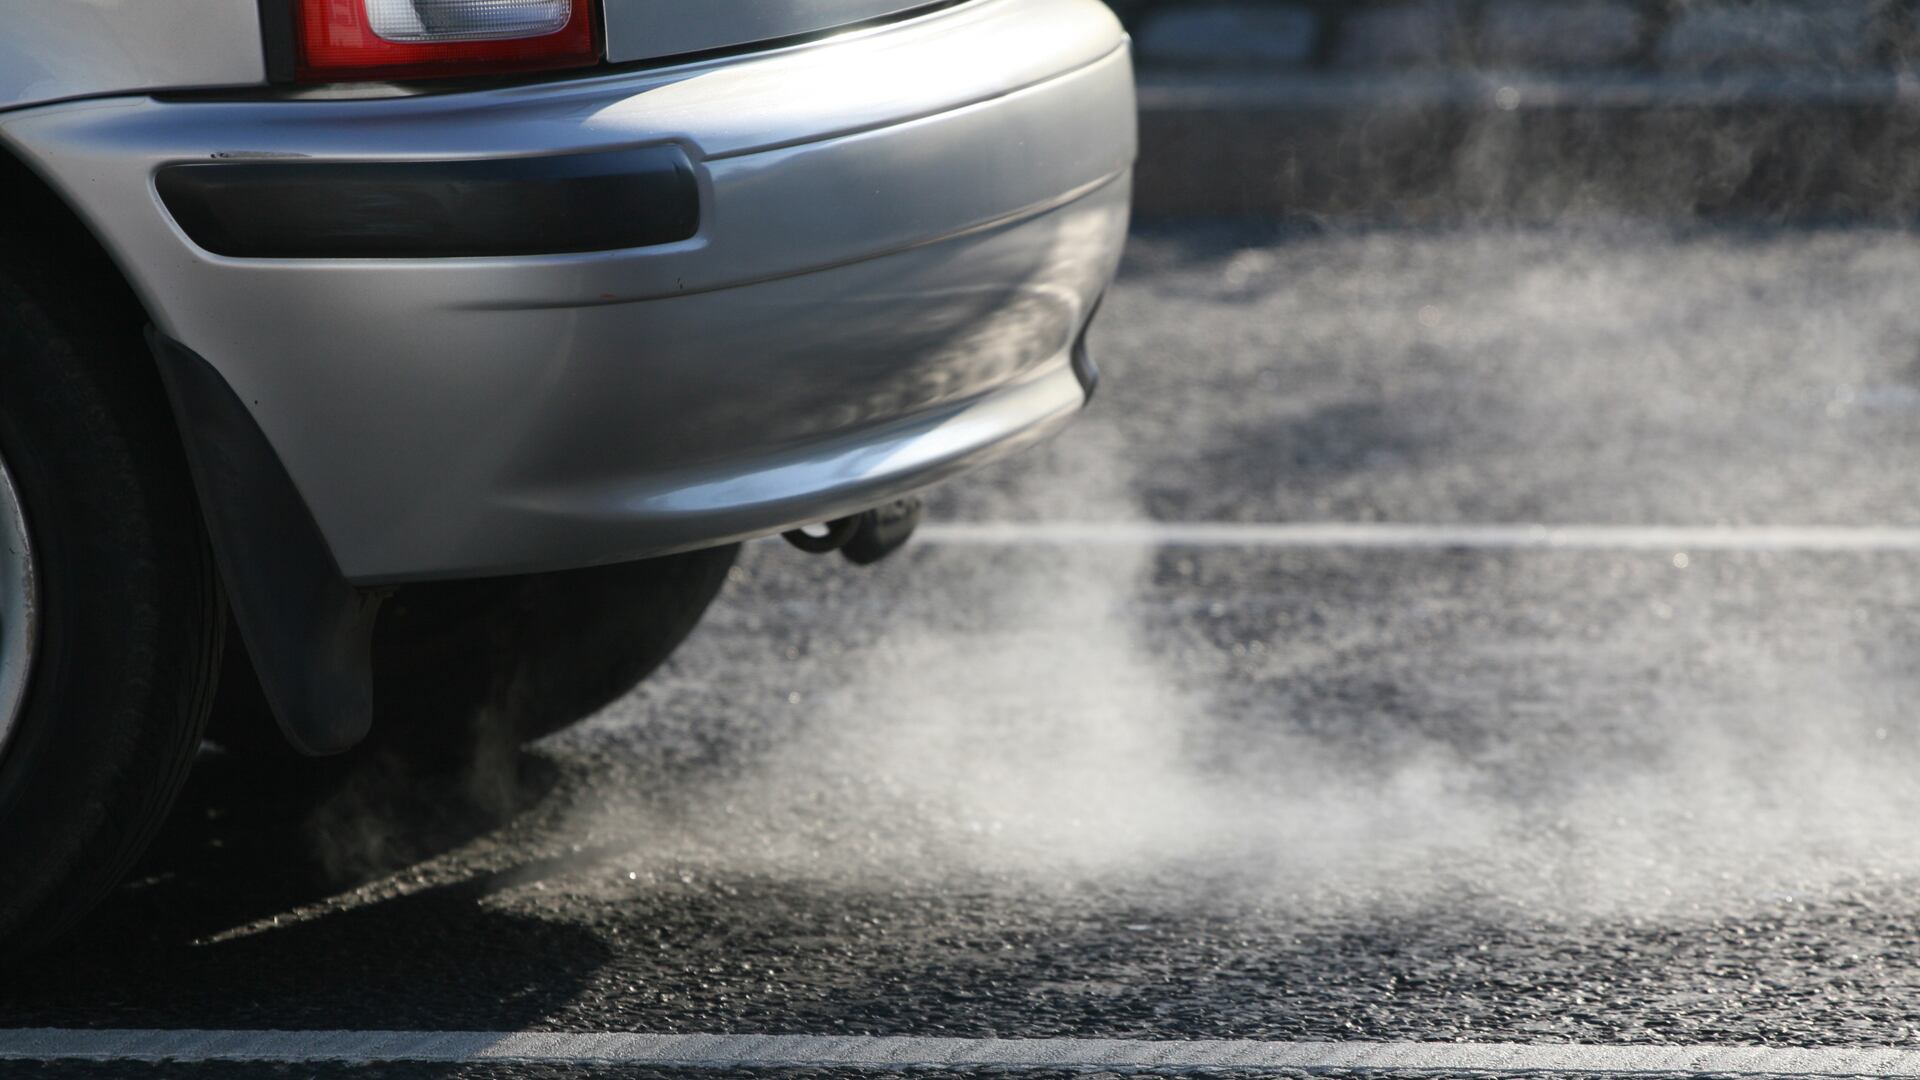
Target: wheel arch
(39, 228)
(76, 271)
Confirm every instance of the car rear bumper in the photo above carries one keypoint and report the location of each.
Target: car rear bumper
(899, 236)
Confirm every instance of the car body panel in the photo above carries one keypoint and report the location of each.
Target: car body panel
(884, 288)
(648, 29)
(56, 49)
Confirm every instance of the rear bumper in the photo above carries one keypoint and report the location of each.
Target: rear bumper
(900, 235)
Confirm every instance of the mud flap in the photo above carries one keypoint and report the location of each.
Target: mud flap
(308, 632)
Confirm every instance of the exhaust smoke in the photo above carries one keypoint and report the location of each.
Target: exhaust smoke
(1577, 734)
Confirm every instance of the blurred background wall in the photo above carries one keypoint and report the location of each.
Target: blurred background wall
(1528, 109)
(1685, 35)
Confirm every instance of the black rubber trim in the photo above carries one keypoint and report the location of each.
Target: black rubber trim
(308, 632)
(436, 209)
(277, 40)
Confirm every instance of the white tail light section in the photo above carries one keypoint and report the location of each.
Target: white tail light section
(420, 22)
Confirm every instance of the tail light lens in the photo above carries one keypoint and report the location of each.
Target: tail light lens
(425, 39)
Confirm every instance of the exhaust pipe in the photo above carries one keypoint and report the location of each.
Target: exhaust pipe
(865, 538)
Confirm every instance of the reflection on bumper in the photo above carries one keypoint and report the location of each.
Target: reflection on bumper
(882, 289)
(788, 402)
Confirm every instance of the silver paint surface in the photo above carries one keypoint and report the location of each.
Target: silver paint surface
(885, 288)
(53, 49)
(645, 29)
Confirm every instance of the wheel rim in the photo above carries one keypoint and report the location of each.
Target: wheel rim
(17, 608)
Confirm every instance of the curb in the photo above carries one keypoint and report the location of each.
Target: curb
(1443, 146)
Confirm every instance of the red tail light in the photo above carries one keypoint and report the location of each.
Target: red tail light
(427, 39)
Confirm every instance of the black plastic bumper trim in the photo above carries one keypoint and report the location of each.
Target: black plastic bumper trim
(308, 632)
(553, 205)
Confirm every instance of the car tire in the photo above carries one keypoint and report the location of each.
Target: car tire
(533, 654)
(127, 615)
(464, 667)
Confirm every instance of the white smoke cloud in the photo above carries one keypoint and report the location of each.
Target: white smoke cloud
(1712, 733)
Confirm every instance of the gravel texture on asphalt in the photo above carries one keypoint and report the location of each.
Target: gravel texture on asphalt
(1633, 797)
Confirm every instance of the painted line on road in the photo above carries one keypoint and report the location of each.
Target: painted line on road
(905, 1053)
(1416, 537)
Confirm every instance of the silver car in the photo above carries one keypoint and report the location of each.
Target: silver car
(364, 362)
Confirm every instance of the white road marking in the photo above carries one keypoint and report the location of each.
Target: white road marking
(903, 1053)
(1678, 538)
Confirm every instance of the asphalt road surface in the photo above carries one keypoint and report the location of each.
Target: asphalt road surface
(1647, 777)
